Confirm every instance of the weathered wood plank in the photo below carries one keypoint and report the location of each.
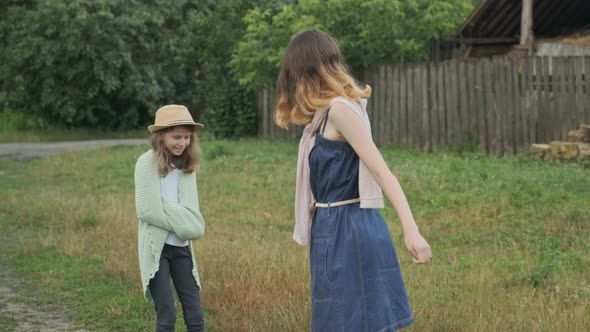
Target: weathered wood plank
(531, 101)
(471, 104)
(373, 104)
(510, 109)
(424, 119)
(578, 72)
(570, 114)
(411, 92)
(550, 104)
(517, 109)
(416, 128)
(480, 100)
(542, 136)
(494, 130)
(562, 99)
(505, 106)
(432, 106)
(382, 79)
(455, 123)
(441, 105)
(449, 112)
(397, 83)
(462, 106)
(524, 111)
(388, 104)
(406, 103)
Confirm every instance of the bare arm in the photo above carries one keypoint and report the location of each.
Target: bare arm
(343, 123)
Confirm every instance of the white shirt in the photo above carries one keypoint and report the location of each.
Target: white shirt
(169, 190)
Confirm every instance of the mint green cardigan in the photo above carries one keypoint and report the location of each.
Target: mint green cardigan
(157, 217)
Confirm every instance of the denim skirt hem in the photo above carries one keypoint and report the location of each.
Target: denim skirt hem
(356, 280)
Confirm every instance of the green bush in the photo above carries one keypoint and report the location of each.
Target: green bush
(210, 37)
(231, 111)
(89, 63)
(12, 120)
(215, 149)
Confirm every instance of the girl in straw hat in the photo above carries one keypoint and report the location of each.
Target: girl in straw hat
(356, 283)
(167, 207)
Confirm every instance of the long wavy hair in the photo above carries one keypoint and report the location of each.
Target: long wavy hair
(313, 72)
(187, 162)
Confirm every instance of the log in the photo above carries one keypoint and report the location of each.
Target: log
(541, 151)
(563, 151)
(575, 136)
(536, 148)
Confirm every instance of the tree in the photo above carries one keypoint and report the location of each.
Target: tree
(369, 32)
(210, 36)
(93, 63)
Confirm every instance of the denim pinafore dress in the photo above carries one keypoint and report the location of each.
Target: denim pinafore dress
(356, 281)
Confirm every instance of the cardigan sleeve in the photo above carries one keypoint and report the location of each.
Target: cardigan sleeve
(148, 199)
(188, 221)
(183, 219)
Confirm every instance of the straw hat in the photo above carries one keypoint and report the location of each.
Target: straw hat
(173, 115)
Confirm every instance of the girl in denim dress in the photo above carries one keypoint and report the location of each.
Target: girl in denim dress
(356, 282)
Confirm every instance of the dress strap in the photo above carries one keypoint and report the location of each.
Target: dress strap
(325, 121)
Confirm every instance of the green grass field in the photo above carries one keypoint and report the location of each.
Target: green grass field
(510, 239)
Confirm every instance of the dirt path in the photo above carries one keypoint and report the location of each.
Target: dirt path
(18, 312)
(24, 151)
(19, 315)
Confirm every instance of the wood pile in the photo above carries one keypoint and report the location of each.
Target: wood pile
(576, 149)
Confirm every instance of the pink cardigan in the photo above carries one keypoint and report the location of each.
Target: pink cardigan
(369, 190)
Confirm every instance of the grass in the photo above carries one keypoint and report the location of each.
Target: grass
(101, 300)
(7, 323)
(509, 236)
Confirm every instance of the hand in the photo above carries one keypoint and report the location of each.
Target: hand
(418, 247)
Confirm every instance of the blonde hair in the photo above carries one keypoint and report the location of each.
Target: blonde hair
(187, 162)
(312, 73)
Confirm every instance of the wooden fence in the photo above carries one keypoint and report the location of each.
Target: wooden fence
(499, 105)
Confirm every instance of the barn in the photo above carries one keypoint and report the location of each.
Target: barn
(518, 28)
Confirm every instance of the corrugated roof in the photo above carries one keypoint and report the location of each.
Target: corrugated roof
(501, 18)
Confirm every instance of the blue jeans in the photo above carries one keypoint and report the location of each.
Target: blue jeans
(176, 263)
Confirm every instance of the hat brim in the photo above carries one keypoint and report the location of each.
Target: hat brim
(196, 126)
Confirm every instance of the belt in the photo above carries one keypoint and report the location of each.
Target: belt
(334, 204)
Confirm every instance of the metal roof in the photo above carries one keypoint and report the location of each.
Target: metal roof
(501, 18)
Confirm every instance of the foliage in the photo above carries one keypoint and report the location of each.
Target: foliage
(12, 120)
(92, 63)
(210, 35)
(111, 63)
(231, 110)
(369, 32)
